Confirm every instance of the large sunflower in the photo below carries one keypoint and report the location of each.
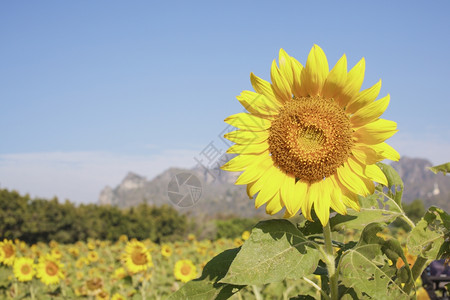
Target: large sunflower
(310, 138)
(49, 269)
(24, 268)
(185, 270)
(137, 257)
(7, 252)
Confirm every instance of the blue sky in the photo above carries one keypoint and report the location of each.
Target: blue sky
(93, 89)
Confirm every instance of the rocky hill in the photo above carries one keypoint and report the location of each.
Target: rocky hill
(217, 193)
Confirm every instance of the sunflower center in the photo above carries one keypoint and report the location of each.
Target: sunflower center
(139, 258)
(185, 269)
(311, 138)
(25, 269)
(51, 268)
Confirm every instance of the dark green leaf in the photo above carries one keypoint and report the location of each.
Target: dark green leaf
(276, 250)
(207, 287)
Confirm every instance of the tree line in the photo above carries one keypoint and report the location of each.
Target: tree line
(42, 220)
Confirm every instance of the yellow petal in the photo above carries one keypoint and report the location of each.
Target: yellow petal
(247, 136)
(348, 178)
(363, 98)
(288, 195)
(315, 72)
(241, 162)
(297, 70)
(248, 148)
(300, 194)
(353, 83)
(286, 67)
(280, 85)
(370, 112)
(374, 173)
(255, 170)
(365, 154)
(258, 104)
(307, 204)
(323, 202)
(270, 187)
(375, 132)
(336, 197)
(384, 151)
(274, 205)
(263, 87)
(248, 121)
(335, 81)
(254, 187)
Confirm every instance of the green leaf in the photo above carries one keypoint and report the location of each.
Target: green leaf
(444, 168)
(395, 183)
(207, 287)
(364, 269)
(378, 207)
(276, 250)
(430, 238)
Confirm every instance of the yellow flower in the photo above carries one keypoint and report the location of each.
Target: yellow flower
(137, 257)
(7, 252)
(238, 242)
(24, 268)
(117, 296)
(311, 138)
(123, 238)
(245, 235)
(49, 270)
(74, 251)
(185, 270)
(166, 250)
(119, 273)
(55, 252)
(191, 237)
(92, 256)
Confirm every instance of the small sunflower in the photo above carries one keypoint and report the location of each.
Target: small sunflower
(24, 268)
(49, 270)
(117, 296)
(137, 257)
(311, 138)
(185, 270)
(166, 250)
(245, 235)
(92, 256)
(7, 252)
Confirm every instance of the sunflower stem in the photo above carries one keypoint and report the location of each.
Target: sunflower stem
(330, 262)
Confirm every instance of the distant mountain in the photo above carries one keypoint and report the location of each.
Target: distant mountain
(421, 183)
(219, 194)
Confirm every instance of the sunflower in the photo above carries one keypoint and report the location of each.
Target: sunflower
(166, 250)
(185, 270)
(245, 235)
(24, 268)
(117, 296)
(92, 256)
(311, 138)
(137, 257)
(49, 270)
(7, 252)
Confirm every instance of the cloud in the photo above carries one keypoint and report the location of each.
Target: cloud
(80, 176)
